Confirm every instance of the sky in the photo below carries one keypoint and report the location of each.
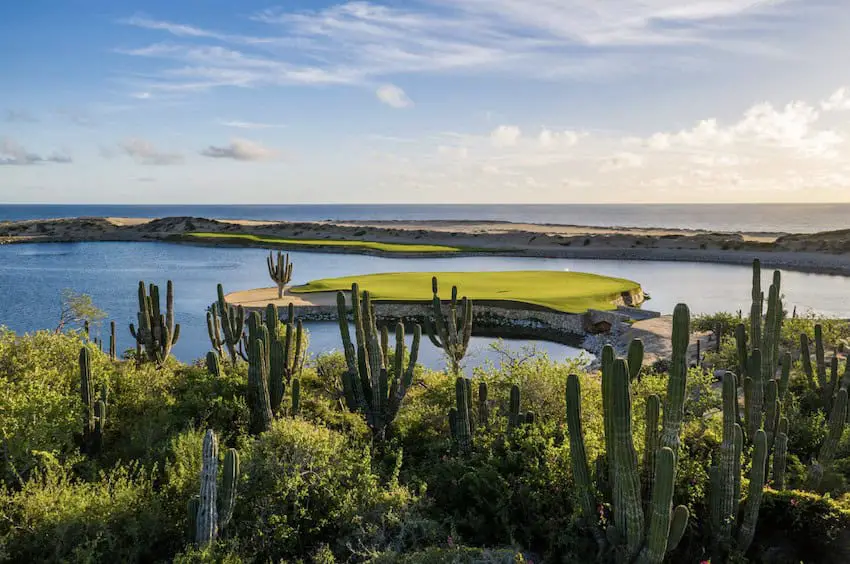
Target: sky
(424, 101)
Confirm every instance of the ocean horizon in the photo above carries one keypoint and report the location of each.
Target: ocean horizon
(769, 218)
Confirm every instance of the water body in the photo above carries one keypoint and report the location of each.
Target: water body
(33, 276)
(792, 218)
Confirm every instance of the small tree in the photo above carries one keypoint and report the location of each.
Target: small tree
(78, 309)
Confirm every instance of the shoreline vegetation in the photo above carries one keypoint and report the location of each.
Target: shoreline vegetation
(826, 252)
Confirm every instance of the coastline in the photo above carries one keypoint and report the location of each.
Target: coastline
(823, 253)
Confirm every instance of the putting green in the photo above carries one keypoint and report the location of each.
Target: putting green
(387, 247)
(570, 292)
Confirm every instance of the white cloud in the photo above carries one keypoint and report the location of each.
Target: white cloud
(620, 161)
(13, 153)
(240, 150)
(362, 42)
(238, 124)
(393, 96)
(145, 153)
(840, 100)
(505, 136)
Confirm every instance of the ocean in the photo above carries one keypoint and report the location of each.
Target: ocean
(789, 218)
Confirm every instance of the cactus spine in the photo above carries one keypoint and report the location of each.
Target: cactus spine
(280, 271)
(634, 358)
(372, 385)
(157, 333)
(233, 323)
(450, 332)
(209, 515)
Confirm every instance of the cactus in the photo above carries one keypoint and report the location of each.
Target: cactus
(450, 332)
(371, 385)
(87, 396)
(780, 454)
(674, 406)
(233, 324)
(640, 531)
(156, 333)
(286, 357)
(652, 439)
(112, 346)
(206, 518)
(733, 530)
(214, 364)
(259, 401)
(483, 407)
(460, 417)
(214, 331)
(515, 417)
(295, 408)
(835, 428)
(634, 358)
(280, 271)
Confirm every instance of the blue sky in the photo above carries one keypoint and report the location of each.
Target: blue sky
(424, 101)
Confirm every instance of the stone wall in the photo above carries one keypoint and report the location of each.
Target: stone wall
(492, 320)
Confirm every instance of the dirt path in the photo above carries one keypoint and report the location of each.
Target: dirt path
(657, 334)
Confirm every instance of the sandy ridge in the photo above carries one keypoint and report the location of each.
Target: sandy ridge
(827, 252)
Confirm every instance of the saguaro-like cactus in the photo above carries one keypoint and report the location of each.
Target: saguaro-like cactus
(232, 320)
(280, 270)
(213, 364)
(214, 331)
(157, 333)
(450, 332)
(835, 428)
(372, 386)
(286, 356)
(638, 531)
(259, 402)
(734, 529)
(209, 513)
(483, 407)
(460, 416)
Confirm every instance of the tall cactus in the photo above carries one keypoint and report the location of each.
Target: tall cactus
(640, 531)
(483, 407)
(157, 333)
(213, 364)
(233, 325)
(460, 417)
(732, 529)
(371, 385)
(835, 428)
(780, 455)
(450, 332)
(674, 405)
(280, 270)
(209, 513)
(286, 357)
(87, 397)
(259, 402)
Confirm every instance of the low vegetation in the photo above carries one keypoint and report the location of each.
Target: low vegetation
(295, 243)
(571, 292)
(259, 454)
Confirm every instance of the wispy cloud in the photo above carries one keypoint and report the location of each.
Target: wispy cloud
(20, 116)
(238, 124)
(13, 153)
(363, 42)
(145, 153)
(241, 150)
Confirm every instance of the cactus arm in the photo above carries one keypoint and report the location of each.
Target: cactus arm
(674, 410)
(483, 408)
(741, 347)
(635, 359)
(786, 375)
(780, 455)
(835, 428)
(259, 401)
(747, 530)
(213, 364)
(463, 432)
(513, 408)
(820, 361)
(652, 439)
(229, 483)
(296, 396)
(658, 532)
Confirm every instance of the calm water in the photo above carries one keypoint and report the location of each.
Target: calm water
(793, 218)
(32, 277)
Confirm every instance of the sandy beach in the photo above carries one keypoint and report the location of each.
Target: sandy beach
(827, 252)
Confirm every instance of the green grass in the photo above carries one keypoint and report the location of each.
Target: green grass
(387, 247)
(571, 292)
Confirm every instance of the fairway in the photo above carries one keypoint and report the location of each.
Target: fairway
(570, 292)
(386, 247)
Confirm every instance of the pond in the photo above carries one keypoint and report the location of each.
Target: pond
(32, 277)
